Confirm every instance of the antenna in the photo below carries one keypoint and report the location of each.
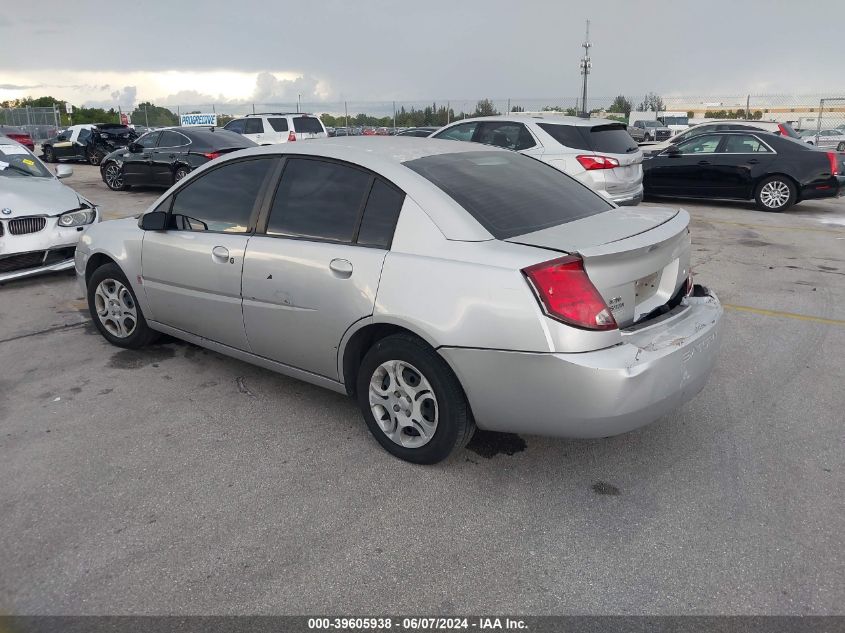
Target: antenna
(586, 64)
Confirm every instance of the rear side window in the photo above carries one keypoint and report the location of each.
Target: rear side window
(380, 215)
(508, 193)
(307, 125)
(279, 125)
(254, 126)
(612, 138)
(318, 199)
(222, 199)
(505, 134)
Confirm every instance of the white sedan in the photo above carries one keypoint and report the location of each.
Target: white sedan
(41, 219)
(826, 139)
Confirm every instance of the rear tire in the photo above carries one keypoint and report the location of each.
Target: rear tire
(180, 173)
(775, 194)
(423, 414)
(95, 157)
(115, 310)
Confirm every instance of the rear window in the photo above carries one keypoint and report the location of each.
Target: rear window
(610, 139)
(279, 125)
(508, 193)
(307, 125)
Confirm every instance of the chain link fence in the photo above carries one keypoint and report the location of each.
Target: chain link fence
(40, 123)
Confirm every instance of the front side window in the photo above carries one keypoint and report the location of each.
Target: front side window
(742, 144)
(461, 132)
(505, 135)
(221, 200)
(508, 193)
(705, 144)
(148, 141)
(238, 125)
(318, 199)
(254, 126)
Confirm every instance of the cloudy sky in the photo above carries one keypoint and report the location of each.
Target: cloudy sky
(117, 53)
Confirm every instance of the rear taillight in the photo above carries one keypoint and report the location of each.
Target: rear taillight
(291, 136)
(590, 162)
(688, 285)
(834, 165)
(211, 155)
(567, 294)
(23, 139)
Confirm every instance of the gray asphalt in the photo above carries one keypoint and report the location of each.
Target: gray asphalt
(175, 480)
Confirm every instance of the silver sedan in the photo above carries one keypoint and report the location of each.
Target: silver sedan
(442, 284)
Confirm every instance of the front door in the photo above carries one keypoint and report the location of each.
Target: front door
(192, 271)
(136, 160)
(316, 270)
(692, 171)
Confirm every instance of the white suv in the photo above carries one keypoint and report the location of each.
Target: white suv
(598, 152)
(268, 128)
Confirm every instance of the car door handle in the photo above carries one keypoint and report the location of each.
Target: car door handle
(341, 267)
(753, 161)
(704, 162)
(220, 254)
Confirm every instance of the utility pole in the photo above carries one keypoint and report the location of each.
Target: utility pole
(298, 102)
(586, 64)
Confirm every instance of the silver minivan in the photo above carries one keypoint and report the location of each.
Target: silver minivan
(598, 152)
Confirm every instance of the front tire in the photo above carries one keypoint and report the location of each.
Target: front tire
(113, 177)
(411, 400)
(115, 310)
(775, 194)
(841, 147)
(49, 155)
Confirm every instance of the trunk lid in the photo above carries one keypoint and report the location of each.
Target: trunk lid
(638, 259)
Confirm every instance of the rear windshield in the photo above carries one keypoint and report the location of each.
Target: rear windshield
(609, 139)
(279, 125)
(508, 193)
(308, 125)
(219, 139)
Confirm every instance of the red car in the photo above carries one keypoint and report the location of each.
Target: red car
(18, 134)
(368, 131)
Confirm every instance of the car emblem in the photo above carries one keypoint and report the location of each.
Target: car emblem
(7, 211)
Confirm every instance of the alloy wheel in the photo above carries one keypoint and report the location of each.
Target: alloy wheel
(403, 404)
(774, 194)
(114, 177)
(116, 308)
(180, 174)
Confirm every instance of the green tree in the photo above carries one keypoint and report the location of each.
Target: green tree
(517, 108)
(652, 102)
(622, 105)
(155, 116)
(485, 107)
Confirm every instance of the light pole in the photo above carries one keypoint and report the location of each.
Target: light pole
(298, 102)
(586, 64)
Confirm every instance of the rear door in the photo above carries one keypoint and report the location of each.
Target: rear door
(316, 270)
(692, 172)
(740, 161)
(192, 271)
(172, 147)
(279, 124)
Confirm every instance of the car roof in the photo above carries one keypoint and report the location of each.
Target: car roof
(541, 117)
(384, 156)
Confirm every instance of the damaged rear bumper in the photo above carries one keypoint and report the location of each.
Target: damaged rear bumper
(657, 368)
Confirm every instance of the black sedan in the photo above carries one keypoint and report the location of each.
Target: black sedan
(773, 170)
(162, 157)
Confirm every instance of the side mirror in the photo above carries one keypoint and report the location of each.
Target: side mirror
(135, 148)
(672, 150)
(64, 171)
(153, 221)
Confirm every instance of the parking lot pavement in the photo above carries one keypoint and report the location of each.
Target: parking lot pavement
(175, 480)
